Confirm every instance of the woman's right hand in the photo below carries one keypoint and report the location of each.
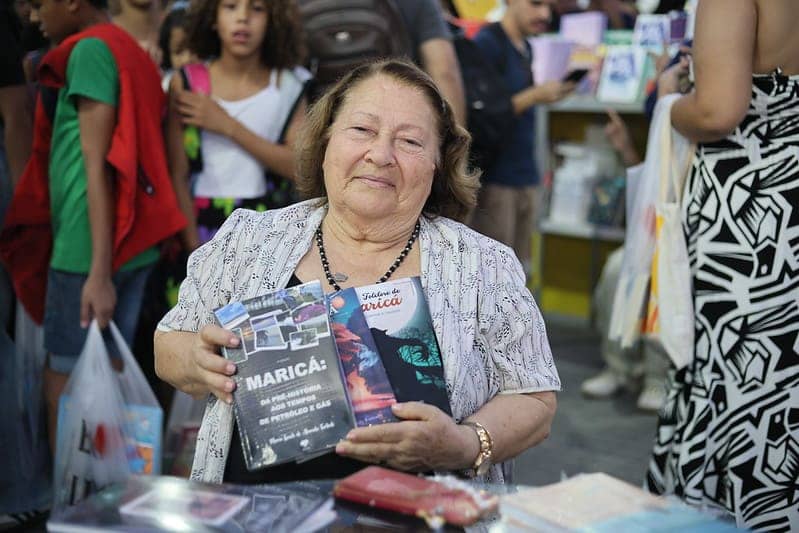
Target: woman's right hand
(207, 370)
(669, 80)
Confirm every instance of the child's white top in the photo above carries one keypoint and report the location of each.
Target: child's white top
(228, 170)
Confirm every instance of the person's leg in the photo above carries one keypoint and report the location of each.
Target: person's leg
(63, 339)
(494, 216)
(622, 366)
(130, 286)
(526, 199)
(656, 364)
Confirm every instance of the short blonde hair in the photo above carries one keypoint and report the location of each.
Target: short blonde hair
(455, 183)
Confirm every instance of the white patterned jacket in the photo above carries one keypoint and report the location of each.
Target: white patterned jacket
(491, 333)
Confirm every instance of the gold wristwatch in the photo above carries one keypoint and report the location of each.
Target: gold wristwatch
(483, 461)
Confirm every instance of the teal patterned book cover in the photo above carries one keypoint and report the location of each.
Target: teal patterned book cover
(399, 320)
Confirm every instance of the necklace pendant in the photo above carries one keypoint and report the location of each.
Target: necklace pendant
(340, 277)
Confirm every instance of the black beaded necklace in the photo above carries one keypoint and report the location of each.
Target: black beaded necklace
(397, 262)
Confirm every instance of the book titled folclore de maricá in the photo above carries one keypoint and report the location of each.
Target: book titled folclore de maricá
(310, 368)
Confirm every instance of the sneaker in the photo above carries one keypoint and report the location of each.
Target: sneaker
(652, 397)
(603, 385)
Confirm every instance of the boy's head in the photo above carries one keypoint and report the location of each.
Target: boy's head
(530, 17)
(58, 19)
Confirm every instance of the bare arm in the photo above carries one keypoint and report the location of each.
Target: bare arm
(547, 93)
(517, 421)
(97, 120)
(277, 157)
(723, 55)
(202, 111)
(15, 111)
(179, 165)
(428, 439)
(440, 62)
(190, 362)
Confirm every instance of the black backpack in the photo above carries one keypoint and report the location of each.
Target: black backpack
(489, 110)
(342, 34)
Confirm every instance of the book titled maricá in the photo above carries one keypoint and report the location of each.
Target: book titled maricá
(290, 401)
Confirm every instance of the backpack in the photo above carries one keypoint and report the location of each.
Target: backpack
(342, 34)
(489, 109)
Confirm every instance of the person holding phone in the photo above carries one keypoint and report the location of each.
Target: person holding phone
(507, 202)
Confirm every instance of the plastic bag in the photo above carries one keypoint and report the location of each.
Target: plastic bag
(670, 313)
(25, 483)
(632, 293)
(109, 423)
(182, 427)
(144, 418)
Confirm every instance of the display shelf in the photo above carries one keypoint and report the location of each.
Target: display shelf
(582, 230)
(589, 104)
(570, 255)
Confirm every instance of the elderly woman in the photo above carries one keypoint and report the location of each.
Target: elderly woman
(386, 165)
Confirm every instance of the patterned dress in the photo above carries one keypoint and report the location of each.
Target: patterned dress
(728, 436)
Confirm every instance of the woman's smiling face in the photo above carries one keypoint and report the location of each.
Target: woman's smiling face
(383, 149)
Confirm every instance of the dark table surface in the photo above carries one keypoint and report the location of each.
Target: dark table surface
(271, 508)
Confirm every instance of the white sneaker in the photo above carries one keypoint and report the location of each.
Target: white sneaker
(603, 385)
(652, 397)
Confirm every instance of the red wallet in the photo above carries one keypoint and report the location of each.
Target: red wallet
(434, 501)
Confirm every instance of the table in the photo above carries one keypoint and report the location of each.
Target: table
(272, 508)
(177, 504)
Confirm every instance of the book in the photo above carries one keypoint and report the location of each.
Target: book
(369, 389)
(623, 74)
(600, 503)
(290, 401)
(398, 318)
(653, 32)
(586, 29)
(435, 500)
(163, 503)
(210, 508)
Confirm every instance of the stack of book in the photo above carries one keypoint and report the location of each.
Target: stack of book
(600, 503)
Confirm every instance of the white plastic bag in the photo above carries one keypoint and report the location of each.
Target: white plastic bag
(144, 418)
(670, 311)
(109, 423)
(632, 292)
(90, 448)
(182, 427)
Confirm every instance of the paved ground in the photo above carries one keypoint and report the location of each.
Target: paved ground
(611, 436)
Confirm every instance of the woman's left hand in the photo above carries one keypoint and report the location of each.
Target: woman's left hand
(204, 112)
(426, 439)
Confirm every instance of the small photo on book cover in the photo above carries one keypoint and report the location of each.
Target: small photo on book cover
(289, 401)
(368, 386)
(210, 508)
(400, 323)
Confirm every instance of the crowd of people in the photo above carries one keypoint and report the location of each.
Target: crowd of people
(161, 161)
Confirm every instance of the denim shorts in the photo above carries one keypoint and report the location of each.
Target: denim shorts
(63, 335)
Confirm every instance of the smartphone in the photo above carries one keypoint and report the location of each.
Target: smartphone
(575, 76)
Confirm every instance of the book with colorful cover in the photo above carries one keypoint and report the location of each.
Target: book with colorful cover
(399, 320)
(369, 388)
(623, 73)
(290, 401)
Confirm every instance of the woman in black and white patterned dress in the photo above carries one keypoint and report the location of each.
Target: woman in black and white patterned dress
(728, 436)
